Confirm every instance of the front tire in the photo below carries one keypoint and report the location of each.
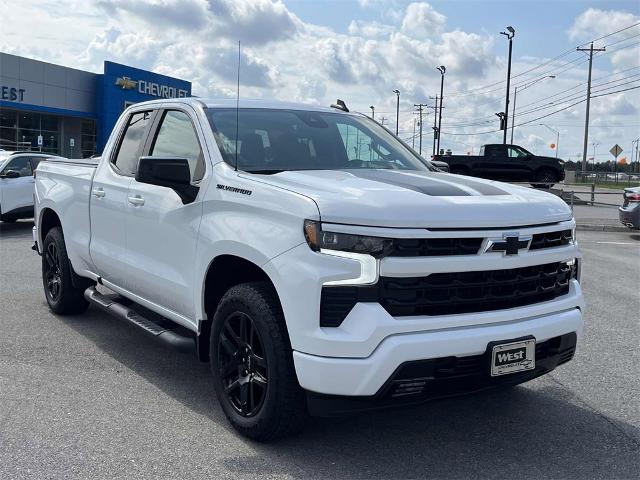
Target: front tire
(252, 364)
(62, 296)
(546, 178)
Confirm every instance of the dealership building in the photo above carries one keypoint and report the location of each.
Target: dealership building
(64, 111)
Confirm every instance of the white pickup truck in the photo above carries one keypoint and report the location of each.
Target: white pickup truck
(317, 262)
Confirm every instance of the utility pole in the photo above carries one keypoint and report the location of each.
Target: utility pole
(586, 121)
(382, 120)
(413, 138)
(441, 69)
(420, 106)
(510, 36)
(436, 133)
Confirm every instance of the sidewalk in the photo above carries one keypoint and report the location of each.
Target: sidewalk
(600, 218)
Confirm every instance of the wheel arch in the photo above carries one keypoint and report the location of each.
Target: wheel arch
(224, 272)
(47, 220)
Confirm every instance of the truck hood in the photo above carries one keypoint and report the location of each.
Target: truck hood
(394, 198)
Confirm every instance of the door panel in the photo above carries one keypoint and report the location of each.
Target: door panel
(108, 202)
(17, 192)
(162, 231)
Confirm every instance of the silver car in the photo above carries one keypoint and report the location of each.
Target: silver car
(630, 210)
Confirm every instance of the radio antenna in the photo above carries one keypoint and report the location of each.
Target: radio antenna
(238, 106)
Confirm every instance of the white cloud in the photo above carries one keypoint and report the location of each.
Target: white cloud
(369, 29)
(421, 20)
(593, 22)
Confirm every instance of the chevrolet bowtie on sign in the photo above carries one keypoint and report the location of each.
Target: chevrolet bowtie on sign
(126, 83)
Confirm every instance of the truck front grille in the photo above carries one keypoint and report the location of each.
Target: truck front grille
(427, 247)
(451, 293)
(551, 239)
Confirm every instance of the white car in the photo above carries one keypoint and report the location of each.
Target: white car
(313, 259)
(16, 184)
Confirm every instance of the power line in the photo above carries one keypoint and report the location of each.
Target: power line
(472, 91)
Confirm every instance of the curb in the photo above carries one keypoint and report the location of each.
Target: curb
(592, 227)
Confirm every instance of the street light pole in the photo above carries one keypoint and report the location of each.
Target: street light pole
(441, 69)
(373, 112)
(515, 96)
(397, 92)
(595, 144)
(511, 32)
(557, 136)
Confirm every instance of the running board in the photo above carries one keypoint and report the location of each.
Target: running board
(179, 342)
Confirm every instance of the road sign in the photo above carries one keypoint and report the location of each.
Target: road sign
(616, 150)
(39, 140)
(72, 142)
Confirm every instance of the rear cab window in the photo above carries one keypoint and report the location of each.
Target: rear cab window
(132, 142)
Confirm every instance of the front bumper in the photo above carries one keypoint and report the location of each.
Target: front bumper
(630, 215)
(422, 380)
(366, 376)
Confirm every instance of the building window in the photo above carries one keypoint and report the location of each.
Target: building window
(88, 138)
(19, 130)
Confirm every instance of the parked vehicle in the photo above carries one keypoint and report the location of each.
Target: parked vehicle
(16, 184)
(509, 163)
(630, 210)
(315, 261)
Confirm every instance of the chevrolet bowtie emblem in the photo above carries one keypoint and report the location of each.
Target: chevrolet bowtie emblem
(126, 83)
(510, 244)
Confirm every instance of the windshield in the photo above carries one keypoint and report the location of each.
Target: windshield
(270, 141)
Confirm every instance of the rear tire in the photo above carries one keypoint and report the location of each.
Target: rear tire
(252, 364)
(62, 296)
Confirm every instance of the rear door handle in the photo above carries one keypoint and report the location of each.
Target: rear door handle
(137, 200)
(98, 192)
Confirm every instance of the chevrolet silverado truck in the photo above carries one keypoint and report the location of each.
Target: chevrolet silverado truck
(509, 163)
(314, 260)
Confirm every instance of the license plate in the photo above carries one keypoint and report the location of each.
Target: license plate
(513, 357)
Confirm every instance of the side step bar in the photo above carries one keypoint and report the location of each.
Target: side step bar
(179, 342)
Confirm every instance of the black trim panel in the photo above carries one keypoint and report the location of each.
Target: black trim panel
(419, 381)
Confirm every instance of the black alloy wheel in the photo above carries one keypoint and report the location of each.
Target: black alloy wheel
(63, 296)
(242, 364)
(546, 178)
(53, 274)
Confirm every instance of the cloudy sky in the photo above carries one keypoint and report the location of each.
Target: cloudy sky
(361, 50)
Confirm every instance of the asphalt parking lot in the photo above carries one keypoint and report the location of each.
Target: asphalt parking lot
(92, 397)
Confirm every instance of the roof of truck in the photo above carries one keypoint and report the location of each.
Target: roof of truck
(246, 103)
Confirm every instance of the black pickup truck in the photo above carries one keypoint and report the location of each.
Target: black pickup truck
(510, 163)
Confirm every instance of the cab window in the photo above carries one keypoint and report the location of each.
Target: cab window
(131, 143)
(177, 137)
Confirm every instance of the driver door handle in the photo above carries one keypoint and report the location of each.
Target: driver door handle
(136, 200)
(98, 192)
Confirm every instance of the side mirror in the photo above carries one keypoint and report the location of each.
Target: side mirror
(10, 174)
(170, 172)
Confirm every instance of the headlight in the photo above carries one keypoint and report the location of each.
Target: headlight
(318, 240)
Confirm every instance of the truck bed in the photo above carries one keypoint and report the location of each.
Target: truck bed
(64, 185)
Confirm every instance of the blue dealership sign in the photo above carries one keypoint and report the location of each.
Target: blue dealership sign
(121, 86)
